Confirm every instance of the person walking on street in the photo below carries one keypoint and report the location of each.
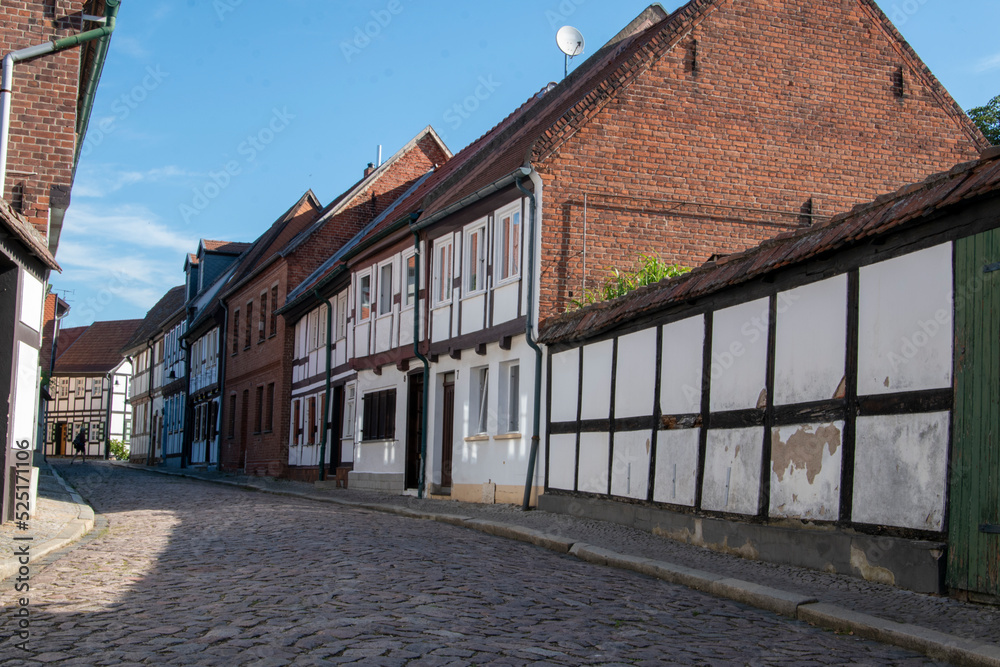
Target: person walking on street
(79, 447)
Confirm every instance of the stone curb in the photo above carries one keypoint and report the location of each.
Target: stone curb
(71, 532)
(937, 645)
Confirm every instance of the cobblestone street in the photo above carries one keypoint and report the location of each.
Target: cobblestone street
(187, 572)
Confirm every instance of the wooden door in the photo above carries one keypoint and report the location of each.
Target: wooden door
(974, 497)
(414, 428)
(61, 439)
(447, 432)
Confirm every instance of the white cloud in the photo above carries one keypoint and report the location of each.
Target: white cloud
(989, 64)
(130, 46)
(124, 226)
(97, 181)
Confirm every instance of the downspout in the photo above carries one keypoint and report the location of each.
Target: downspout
(39, 50)
(326, 400)
(186, 430)
(107, 427)
(536, 403)
(419, 355)
(149, 410)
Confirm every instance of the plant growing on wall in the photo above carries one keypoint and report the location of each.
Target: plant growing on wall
(119, 450)
(648, 270)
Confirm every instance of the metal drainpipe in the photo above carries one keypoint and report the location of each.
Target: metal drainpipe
(149, 390)
(37, 51)
(185, 435)
(107, 423)
(536, 403)
(421, 357)
(326, 400)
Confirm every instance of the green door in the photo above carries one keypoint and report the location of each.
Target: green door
(974, 504)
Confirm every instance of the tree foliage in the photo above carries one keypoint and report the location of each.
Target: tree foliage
(988, 119)
(649, 269)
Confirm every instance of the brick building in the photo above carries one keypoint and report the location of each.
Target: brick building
(257, 386)
(53, 55)
(688, 135)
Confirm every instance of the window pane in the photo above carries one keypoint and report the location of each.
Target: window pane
(513, 400)
(411, 279)
(385, 290)
(515, 245)
(364, 297)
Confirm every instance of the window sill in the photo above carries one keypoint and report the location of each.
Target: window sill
(473, 295)
(482, 437)
(508, 436)
(443, 304)
(382, 441)
(507, 281)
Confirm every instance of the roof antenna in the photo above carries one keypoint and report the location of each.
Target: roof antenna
(570, 41)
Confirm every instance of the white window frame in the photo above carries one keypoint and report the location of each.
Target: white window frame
(350, 412)
(362, 277)
(341, 316)
(509, 395)
(321, 335)
(503, 240)
(407, 299)
(439, 269)
(479, 401)
(475, 265)
(384, 299)
(312, 340)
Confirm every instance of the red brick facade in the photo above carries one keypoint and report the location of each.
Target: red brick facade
(254, 367)
(44, 112)
(760, 115)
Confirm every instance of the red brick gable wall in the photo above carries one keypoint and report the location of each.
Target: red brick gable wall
(764, 112)
(364, 208)
(43, 115)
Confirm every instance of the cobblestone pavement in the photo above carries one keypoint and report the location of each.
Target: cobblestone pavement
(944, 614)
(55, 508)
(193, 573)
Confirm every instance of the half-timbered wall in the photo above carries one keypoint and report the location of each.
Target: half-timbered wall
(828, 401)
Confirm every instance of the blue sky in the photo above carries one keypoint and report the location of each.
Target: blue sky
(214, 116)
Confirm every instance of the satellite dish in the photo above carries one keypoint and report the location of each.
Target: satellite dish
(570, 41)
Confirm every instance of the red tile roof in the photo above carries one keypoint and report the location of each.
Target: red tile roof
(97, 349)
(226, 247)
(907, 206)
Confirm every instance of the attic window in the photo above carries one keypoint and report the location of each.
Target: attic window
(898, 84)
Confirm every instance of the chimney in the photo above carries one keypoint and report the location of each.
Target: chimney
(369, 169)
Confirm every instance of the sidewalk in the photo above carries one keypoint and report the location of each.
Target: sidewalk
(61, 517)
(939, 627)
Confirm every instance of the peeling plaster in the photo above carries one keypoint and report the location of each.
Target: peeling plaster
(804, 449)
(869, 572)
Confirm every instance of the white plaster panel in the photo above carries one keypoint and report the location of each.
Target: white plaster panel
(630, 466)
(732, 470)
(562, 461)
(406, 327)
(677, 466)
(811, 343)
(26, 394)
(32, 301)
(680, 382)
(361, 339)
(901, 470)
(473, 312)
(905, 327)
(565, 383)
(805, 471)
(383, 333)
(440, 321)
(636, 375)
(379, 456)
(739, 356)
(505, 303)
(593, 477)
(596, 403)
